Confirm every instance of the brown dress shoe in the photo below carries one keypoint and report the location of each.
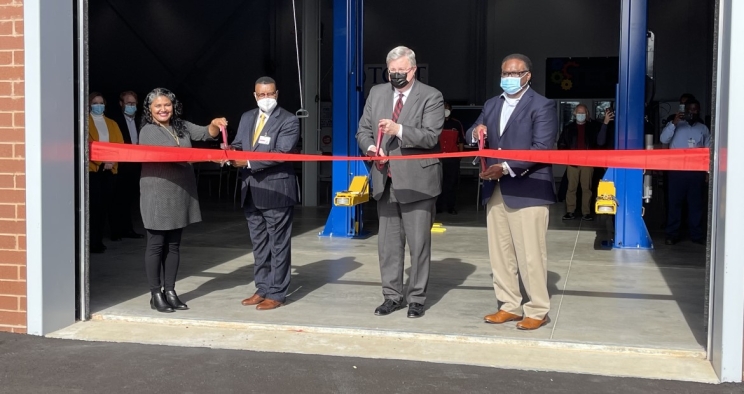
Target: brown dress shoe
(253, 300)
(502, 317)
(268, 304)
(532, 324)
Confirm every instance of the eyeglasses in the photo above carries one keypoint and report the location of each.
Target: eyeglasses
(514, 74)
(265, 95)
(400, 71)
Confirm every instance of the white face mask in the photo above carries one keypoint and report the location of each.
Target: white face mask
(581, 118)
(447, 113)
(267, 104)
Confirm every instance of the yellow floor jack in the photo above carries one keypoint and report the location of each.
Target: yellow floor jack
(358, 193)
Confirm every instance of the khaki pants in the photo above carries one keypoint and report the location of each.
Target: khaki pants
(517, 248)
(575, 176)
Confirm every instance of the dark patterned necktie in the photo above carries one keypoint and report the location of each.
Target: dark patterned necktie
(396, 114)
(398, 107)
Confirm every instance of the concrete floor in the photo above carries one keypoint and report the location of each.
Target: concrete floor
(631, 299)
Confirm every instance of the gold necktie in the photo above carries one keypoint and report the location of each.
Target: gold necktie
(259, 128)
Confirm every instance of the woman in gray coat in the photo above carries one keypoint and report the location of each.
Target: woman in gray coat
(168, 193)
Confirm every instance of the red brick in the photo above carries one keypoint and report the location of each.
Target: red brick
(6, 150)
(13, 257)
(18, 27)
(12, 197)
(9, 272)
(6, 28)
(8, 242)
(6, 57)
(6, 119)
(19, 89)
(12, 288)
(11, 166)
(22, 275)
(22, 304)
(13, 318)
(19, 120)
(12, 104)
(12, 134)
(11, 73)
(21, 214)
(6, 88)
(19, 330)
(11, 11)
(13, 227)
(19, 152)
(8, 211)
(7, 329)
(7, 181)
(19, 58)
(9, 303)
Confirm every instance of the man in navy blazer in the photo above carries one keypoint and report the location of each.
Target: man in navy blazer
(268, 193)
(517, 194)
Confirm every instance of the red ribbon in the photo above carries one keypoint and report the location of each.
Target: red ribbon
(378, 163)
(696, 159)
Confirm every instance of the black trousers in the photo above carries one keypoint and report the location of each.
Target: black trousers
(162, 257)
(450, 179)
(126, 195)
(101, 189)
(685, 187)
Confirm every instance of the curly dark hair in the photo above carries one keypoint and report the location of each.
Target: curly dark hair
(175, 121)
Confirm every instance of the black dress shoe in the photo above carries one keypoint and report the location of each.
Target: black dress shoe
(388, 307)
(132, 235)
(415, 310)
(671, 241)
(116, 239)
(158, 302)
(172, 298)
(97, 248)
(452, 211)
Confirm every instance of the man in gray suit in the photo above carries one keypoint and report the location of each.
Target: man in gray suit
(268, 193)
(517, 194)
(410, 115)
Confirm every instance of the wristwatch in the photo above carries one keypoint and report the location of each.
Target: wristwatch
(504, 168)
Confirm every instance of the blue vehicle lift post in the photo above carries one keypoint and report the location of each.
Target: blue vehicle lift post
(630, 228)
(348, 96)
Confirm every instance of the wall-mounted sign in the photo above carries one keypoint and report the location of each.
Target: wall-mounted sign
(581, 77)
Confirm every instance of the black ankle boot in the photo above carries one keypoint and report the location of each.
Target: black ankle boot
(158, 302)
(172, 298)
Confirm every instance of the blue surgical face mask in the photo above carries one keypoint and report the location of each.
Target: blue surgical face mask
(581, 118)
(130, 110)
(511, 85)
(97, 109)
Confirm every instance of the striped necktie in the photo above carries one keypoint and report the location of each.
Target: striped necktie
(398, 107)
(259, 128)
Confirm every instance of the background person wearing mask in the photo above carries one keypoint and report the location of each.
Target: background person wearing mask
(168, 198)
(410, 114)
(686, 131)
(101, 176)
(127, 182)
(451, 140)
(581, 134)
(517, 195)
(268, 193)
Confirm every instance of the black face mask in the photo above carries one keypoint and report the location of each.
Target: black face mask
(398, 80)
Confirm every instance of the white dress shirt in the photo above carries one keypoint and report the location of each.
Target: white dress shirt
(396, 93)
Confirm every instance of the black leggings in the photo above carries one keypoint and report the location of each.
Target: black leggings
(162, 255)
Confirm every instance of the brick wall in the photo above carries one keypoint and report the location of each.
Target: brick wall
(12, 170)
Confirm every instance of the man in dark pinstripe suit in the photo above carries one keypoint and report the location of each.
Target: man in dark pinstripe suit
(268, 193)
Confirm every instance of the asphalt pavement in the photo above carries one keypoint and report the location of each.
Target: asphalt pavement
(38, 365)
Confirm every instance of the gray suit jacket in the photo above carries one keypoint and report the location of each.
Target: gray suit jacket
(272, 184)
(422, 118)
(532, 126)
